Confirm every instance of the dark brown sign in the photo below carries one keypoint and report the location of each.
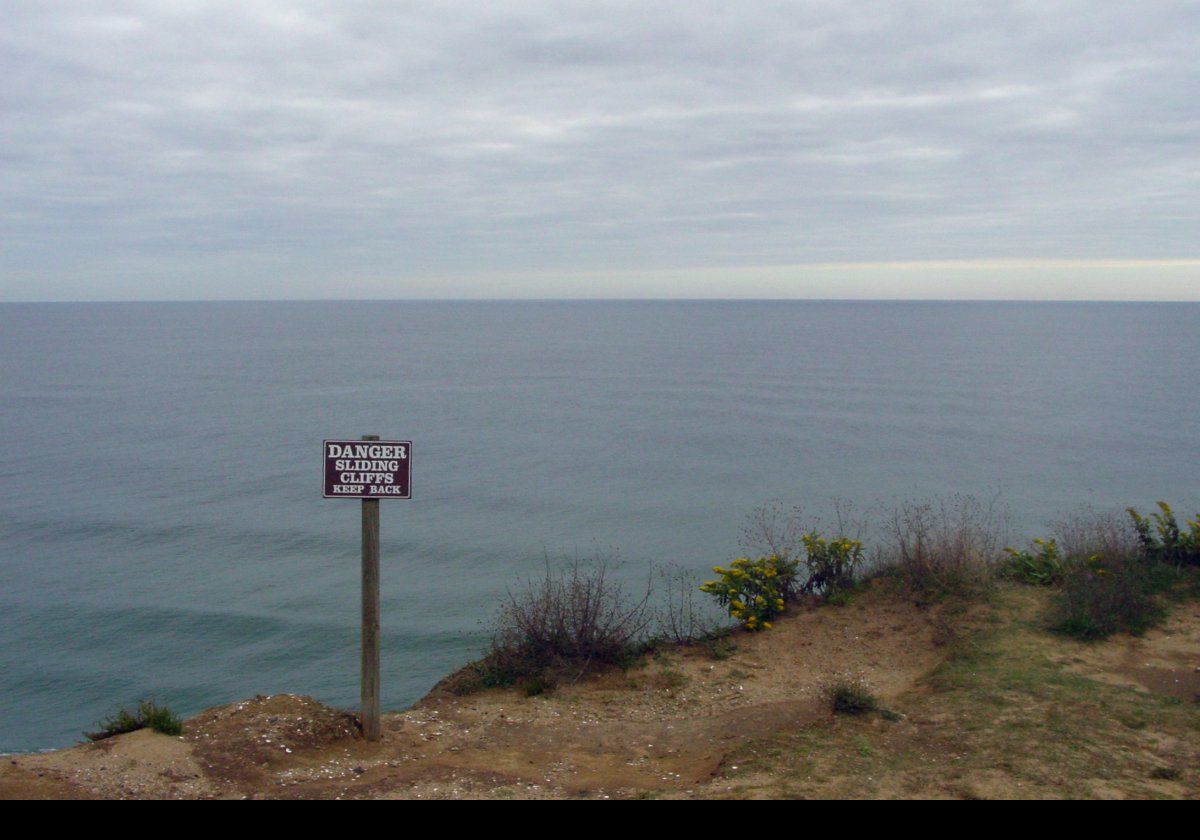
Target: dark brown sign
(368, 469)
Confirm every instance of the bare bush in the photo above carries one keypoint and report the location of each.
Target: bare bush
(779, 530)
(1089, 533)
(775, 529)
(571, 620)
(683, 618)
(944, 546)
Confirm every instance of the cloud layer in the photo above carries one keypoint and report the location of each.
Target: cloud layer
(192, 149)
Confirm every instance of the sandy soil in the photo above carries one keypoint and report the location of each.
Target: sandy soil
(667, 727)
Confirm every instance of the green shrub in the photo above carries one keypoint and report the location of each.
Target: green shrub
(537, 686)
(841, 598)
(753, 591)
(1044, 566)
(1161, 538)
(832, 564)
(1099, 599)
(148, 715)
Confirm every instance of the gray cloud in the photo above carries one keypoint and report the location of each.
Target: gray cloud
(272, 149)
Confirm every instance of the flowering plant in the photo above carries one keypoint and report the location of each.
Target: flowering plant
(832, 564)
(753, 591)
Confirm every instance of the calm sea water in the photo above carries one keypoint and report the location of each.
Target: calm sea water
(162, 531)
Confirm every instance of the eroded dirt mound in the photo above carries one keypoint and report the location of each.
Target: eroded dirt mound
(242, 743)
(270, 725)
(232, 751)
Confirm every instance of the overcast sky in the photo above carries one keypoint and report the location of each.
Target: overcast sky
(185, 149)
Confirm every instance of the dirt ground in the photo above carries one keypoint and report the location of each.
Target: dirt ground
(1164, 661)
(678, 725)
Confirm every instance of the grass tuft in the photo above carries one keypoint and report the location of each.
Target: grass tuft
(147, 715)
(851, 697)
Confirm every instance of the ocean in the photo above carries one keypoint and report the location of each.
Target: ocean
(163, 532)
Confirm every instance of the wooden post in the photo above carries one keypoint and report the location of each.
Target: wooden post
(370, 616)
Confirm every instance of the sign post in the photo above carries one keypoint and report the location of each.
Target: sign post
(370, 616)
(369, 470)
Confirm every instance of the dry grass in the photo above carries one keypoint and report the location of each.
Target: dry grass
(1089, 533)
(944, 547)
